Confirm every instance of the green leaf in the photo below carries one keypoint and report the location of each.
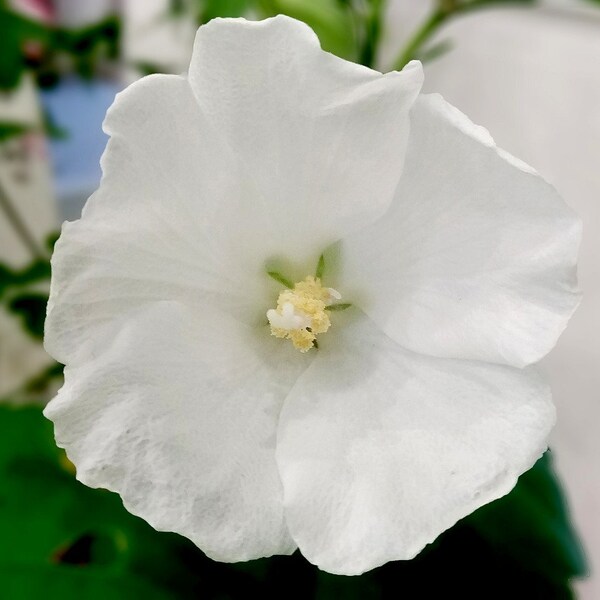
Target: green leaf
(59, 533)
(330, 20)
(10, 279)
(12, 63)
(531, 524)
(61, 539)
(9, 130)
(223, 8)
(46, 514)
(15, 32)
(51, 240)
(31, 308)
(48, 581)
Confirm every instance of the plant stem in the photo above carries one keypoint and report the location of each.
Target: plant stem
(446, 9)
(373, 26)
(420, 37)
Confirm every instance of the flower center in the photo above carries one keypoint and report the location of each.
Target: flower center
(302, 312)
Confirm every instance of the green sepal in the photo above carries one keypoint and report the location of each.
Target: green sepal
(320, 267)
(279, 278)
(338, 307)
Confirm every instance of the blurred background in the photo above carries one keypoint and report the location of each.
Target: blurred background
(529, 71)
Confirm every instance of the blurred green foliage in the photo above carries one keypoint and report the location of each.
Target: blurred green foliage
(49, 51)
(9, 130)
(351, 29)
(86, 48)
(12, 279)
(30, 307)
(209, 9)
(61, 539)
(333, 22)
(24, 294)
(16, 32)
(418, 46)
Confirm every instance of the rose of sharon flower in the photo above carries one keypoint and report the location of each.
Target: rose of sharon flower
(299, 310)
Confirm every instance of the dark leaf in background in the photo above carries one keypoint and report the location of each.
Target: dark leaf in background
(51, 240)
(18, 294)
(209, 9)
(88, 46)
(11, 55)
(60, 539)
(329, 19)
(31, 308)
(27, 44)
(42, 581)
(531, 525)
(9, 130)
(35, 272)
(11, 61)
(26, 303)
(15, 32)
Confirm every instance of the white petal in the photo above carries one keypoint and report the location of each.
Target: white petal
(475, 258)
(324, 139)
(178, 414)
(380, 450)
(173, 219)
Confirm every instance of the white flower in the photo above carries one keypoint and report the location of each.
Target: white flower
(416, 408)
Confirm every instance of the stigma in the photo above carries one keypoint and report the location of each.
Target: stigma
(301, 313)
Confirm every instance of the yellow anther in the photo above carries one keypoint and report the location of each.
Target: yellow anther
(300, 314)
